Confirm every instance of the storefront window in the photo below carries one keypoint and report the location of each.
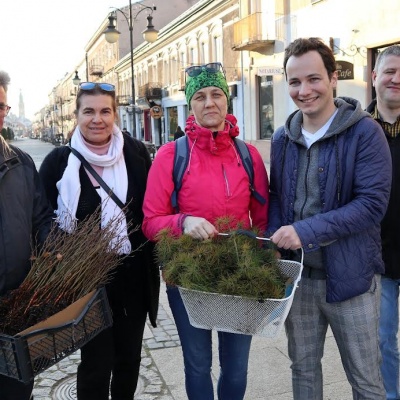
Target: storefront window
(266, 101)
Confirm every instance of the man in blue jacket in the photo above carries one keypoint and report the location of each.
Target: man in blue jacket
(330, 185)
(386, 111)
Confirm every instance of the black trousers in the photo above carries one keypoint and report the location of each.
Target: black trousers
(11, 389)
(112, 358)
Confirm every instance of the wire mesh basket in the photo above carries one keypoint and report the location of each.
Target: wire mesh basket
(236, 314)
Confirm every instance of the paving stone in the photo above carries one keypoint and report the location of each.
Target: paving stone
(57, 375)
(153, 389)
(47, 382)
(163, 338)
(155, 346)
(146, 362)
(171, 344)
(165, 322)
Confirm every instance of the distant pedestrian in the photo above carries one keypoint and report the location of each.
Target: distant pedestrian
(125, 131)
(330, 185)
(386, 110)
(178, 133)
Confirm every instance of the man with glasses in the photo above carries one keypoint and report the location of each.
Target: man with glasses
(25, 218)
(4, 109)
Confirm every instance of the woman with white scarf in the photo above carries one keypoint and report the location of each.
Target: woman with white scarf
(123, 163)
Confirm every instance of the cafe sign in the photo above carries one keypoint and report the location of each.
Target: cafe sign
(264, 71)
(345, 70)
(156, 112)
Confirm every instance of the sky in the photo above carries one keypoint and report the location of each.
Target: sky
(43, 40)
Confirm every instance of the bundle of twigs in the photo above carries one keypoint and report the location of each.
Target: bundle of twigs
(65, 269)
(236, 264)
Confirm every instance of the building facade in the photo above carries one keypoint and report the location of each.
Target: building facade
(248, 37)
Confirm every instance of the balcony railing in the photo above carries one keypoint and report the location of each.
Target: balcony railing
(254, 31)
(151, 91)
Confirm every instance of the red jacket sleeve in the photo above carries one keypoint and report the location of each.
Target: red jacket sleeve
(157, 208)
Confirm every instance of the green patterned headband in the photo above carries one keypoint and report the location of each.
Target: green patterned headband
(205, 79)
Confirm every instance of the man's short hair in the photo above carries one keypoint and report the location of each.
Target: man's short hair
(4, 80)
(393, 50)
(303, 45)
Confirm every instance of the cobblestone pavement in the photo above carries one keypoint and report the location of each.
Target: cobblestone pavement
(59, 381)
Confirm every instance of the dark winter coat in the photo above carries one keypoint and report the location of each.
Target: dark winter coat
(25, 216)
(354, 178)
(390, 223)
(142, 264)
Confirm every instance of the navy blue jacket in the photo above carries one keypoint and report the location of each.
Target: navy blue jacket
(354, 185)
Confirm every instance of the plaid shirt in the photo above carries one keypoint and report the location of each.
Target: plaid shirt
(392, 129)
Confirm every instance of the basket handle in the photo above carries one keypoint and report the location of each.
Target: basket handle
(254, 236)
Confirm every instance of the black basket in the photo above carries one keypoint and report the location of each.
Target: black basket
(23, 356)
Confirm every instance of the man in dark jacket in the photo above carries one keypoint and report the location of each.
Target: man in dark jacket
(25, 217)
(330, 185)
(386, 111)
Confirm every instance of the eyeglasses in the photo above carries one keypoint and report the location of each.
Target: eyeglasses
(107, 87)
(5, 109)
(212, 68)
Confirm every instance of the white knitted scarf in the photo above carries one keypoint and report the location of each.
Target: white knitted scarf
(114, 174)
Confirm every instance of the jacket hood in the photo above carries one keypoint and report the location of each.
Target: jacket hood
(215, 141)
(349, 112)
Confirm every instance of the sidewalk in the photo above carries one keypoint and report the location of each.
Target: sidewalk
(162, 377)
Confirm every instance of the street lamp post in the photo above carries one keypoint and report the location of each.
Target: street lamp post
(76, 80)
(61, 139)
(150, 35)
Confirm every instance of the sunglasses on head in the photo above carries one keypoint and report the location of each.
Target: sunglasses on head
(212, 68)
(107, 87)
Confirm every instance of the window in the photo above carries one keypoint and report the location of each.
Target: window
(172, 120)
(266, 101)
(203, 58)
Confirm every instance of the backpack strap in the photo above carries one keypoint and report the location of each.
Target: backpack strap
(181, 159)
(247, 162)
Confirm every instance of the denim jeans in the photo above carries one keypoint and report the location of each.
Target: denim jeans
(388, 328)
(197, 356)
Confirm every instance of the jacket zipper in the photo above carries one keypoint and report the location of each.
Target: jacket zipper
(228, 191)
(305, 184)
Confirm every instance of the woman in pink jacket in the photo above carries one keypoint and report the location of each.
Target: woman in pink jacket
(215, 184)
